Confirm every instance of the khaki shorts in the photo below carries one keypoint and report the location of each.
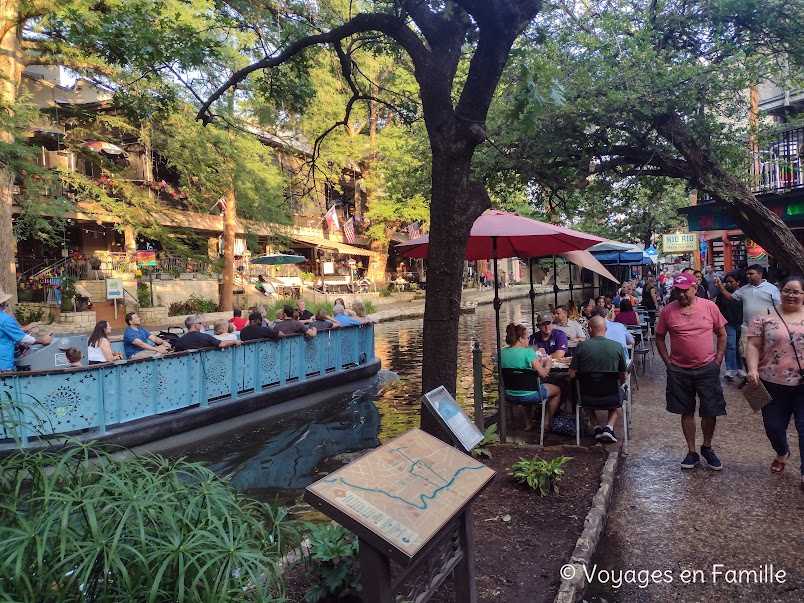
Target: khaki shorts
(144, 354)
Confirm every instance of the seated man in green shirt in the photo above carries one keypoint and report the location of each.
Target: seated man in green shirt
(600, 355)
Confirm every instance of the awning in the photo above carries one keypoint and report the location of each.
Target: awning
(330, 244)
(584, 259)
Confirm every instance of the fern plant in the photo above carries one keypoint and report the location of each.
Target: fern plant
(538, 473)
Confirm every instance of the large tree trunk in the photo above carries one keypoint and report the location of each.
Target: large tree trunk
(229, 231)
(456, 204)
(11, 68)
(380, 260)
(753, 218)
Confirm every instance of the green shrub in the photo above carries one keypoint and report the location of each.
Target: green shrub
(194, 305)
(332, 563)
(82, 525)
(539, 474)
(26, 316)
(143, 295)
(204, 305)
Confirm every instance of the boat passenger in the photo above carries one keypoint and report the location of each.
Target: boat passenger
(99, 350)
(137, 340)
(359, 309)
(222, 332)
(305, 316)
(74, 357)
(344, 319)
(237, 319)
(291, 326)
(11, 334)
(255, 330)
(264, 311)
(347, 311)
(195, 339)
(322, 322)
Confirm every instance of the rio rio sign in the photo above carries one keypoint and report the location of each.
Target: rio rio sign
(680, 242)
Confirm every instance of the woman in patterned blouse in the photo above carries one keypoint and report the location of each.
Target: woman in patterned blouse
(774, 355)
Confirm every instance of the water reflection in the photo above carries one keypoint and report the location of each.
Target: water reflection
(276, 459)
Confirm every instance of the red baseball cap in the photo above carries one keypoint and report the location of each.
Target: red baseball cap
(684, 281)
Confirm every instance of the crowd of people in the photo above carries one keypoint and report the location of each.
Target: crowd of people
(138, 342)
(699, 320)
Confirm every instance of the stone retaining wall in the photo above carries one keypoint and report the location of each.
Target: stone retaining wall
(77, 321)
(158, 315)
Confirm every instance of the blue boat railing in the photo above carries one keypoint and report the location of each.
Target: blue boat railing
(97, 397)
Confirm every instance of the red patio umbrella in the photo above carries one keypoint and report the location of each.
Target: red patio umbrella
(516, 236)
(498, 234)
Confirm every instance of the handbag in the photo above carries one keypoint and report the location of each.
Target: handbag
(758, 397)
(563, 426)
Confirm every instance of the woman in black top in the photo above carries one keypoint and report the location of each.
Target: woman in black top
(650, 299)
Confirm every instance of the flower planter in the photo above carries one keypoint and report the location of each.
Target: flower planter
(201, 277)
(186, 276)
(166, 277)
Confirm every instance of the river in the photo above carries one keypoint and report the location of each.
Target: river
(276, 458)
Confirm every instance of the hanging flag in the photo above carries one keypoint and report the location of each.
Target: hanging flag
(332, 219)
(349, 230)
(414, 231)
(221, 202)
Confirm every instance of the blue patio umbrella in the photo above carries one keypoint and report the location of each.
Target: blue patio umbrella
(276, 259)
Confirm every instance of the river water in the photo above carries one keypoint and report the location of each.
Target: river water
(275, 459)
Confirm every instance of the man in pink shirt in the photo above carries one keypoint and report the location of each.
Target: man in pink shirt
(693, 365)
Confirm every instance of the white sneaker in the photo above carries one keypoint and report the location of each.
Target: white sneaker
(729, 375)
(741, 374)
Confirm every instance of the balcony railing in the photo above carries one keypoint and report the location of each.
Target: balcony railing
(778, 166)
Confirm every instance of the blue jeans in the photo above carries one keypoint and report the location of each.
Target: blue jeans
(787, 401)
(733, 360)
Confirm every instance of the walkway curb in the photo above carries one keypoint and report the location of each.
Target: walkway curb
(573, 573)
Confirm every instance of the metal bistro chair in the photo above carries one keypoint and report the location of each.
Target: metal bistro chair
(600, 391)
(640, 349)
(647, 330)
(528, 381)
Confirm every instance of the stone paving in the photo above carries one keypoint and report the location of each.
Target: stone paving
(666, 519)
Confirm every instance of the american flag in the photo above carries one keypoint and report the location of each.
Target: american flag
(414, 231)
(349, 230)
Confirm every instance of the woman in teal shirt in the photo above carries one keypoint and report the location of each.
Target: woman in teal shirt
(520, 355)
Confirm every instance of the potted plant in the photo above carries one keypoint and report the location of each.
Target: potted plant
(67, 294)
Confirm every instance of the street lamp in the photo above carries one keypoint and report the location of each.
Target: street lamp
(352, 263)
(247, 263)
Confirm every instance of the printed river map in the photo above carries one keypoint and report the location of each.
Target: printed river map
(405, 490)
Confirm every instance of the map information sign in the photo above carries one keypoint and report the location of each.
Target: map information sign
(403, 492)
(452, 418)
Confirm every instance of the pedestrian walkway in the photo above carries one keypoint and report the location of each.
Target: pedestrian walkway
(663, 518)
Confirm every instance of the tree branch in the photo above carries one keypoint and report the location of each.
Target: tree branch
(390, 25)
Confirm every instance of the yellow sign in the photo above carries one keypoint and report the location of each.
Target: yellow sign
(680, 243)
